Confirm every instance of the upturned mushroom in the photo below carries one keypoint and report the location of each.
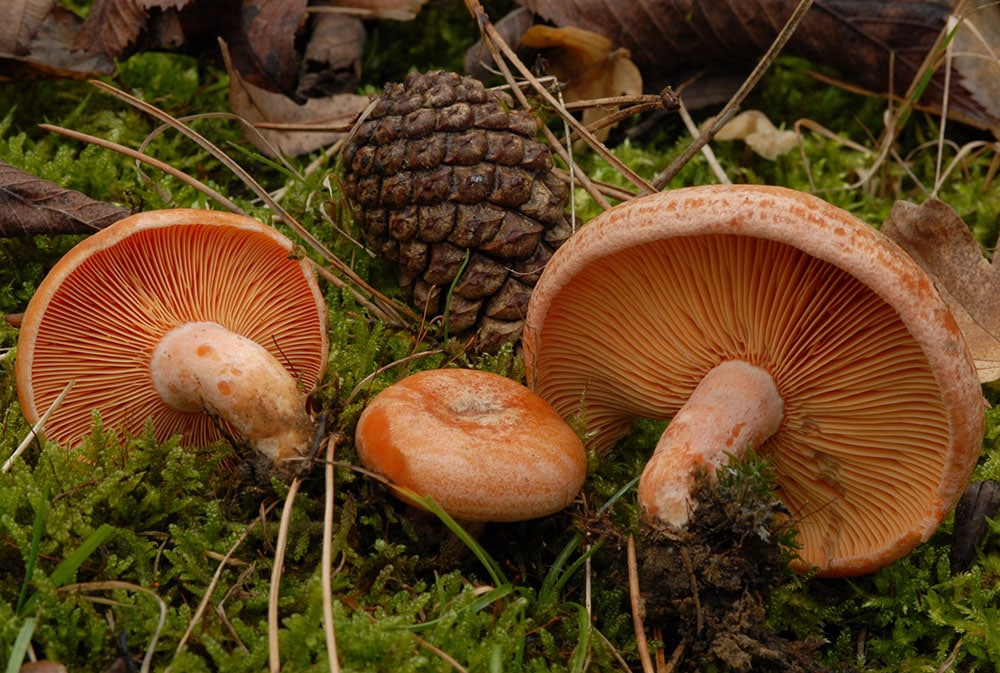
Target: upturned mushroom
(764, 317)
(483, 446)
(202, 322)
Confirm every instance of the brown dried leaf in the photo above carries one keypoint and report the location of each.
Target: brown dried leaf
(332, 59)
(19, 21)
(262, 45)
(398, 10)
(588, 64)
(112, 27)
(30, 206)
(50, 53)
(876, 46)
(940, 242)
(257, 105)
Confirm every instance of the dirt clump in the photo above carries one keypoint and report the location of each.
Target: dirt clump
(706, 588)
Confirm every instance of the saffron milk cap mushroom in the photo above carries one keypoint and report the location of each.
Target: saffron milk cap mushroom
(483, 446)
(193, 319)
(765, 317)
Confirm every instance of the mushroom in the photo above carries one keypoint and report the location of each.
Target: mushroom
(764, 317)
(203, 322)
(483, 446)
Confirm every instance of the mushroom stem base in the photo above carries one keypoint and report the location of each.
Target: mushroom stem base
(202, 366)
(735, 406)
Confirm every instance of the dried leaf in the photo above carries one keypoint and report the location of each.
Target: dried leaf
(398, 10)
(262, 44)
(940, 242)
(257, 105)
(50, 53)
(589, 66)
(30, 206)
(332, 59)
(19, 21)
(112, 27)
(979, 502)
(876, 46)
(759, 133)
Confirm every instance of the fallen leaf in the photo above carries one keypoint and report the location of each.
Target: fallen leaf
(262, 43)
(31, 206)
(588, 64)
(112, 27)
(877, 47)
(759, 133)
(939, 241)
(50, 53)
(398, 10)
(19, 21)
(331, 62)
(257, 105)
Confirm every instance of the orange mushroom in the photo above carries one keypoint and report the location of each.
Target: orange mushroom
(483, 446)
(183, 317)
(764, 317)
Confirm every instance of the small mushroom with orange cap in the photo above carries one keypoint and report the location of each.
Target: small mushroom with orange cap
(765, 317)
(481, 445)
(202, 322)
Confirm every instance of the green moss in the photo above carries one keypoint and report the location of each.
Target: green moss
(403, 586)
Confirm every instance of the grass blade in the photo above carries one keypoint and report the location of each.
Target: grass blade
(36, 540)
(20, 648)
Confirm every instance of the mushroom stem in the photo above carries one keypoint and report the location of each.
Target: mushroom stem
(735, 405)
(201, 366)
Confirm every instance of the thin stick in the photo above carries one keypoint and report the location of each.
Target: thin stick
(262, 193)
(146, 159)
(636, 599)
(326, 578)
(706, 150)
(116, 585)
(36, 429)
(497, 44)
(274, 655)
(952, 24)
(699, 620)
(730, 109)
(203, 605)
(549, 136)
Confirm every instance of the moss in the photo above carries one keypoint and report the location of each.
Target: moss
(404, 587)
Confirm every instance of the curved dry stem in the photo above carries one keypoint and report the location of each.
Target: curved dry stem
(203, 604)
(326, 571)
(368, 296)
(273, 625)
(115, 585)
(145, 158)
(635, 599)
(36, 429)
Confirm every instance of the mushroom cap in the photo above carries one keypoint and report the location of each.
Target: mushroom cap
(483, 446)
(99, 314)
(883, 413)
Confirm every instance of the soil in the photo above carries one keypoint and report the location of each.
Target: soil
(706, 587)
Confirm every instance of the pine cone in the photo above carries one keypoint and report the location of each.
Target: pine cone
(447, 181)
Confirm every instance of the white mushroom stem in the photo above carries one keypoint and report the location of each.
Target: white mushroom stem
(735, 406)
(202, 366)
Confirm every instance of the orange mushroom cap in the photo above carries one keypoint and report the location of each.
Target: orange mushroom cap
(878, 418)
(107, 307)
(483, 446)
